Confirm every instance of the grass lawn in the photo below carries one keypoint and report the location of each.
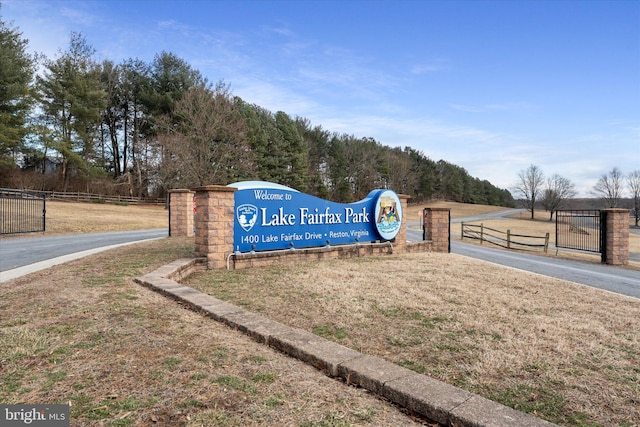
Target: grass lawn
(84, 333)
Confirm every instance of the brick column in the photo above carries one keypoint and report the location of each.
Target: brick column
(400, 241)
(214, 224)
(180, 213)
(437, 226)
(616, 239)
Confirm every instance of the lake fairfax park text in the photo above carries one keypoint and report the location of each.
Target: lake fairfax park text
(270, 216)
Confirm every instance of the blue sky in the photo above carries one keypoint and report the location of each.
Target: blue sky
(492, 86)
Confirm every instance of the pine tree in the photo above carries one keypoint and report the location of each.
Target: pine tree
(17, 69)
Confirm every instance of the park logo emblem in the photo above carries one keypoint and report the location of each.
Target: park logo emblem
(247, 216)
(388, 215)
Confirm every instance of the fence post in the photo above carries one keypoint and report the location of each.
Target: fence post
(44, 213)
(461, 230)
(616, 238)
(481, 233)
(546, 240)
(508, 239)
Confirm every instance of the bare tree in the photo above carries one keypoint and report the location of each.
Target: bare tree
(633, 179)
(559, 190)
(204, 141)
(401, 176)
(528, 186)
(609, 188)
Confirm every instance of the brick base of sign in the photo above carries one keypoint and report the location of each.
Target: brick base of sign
(242, 261)
(424, 246)
(262, 259)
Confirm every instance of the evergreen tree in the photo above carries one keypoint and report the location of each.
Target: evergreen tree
(340, 188)
(17, 69)
(426, 176)
(293, 155)
(113, 119)
(72, 99)
(136, 81)
(170, 78)
(317, 141)
(262, 136)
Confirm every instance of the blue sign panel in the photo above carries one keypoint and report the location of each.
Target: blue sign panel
(271, 216)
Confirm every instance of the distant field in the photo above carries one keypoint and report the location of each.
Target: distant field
(68, 217)
(458, 210)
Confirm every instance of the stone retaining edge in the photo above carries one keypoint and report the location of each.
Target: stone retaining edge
(420, 394)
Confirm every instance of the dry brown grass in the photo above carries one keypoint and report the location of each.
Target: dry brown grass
(122, 355)
(84, 333)
(458, 210)
(65, 217)
(565, 352)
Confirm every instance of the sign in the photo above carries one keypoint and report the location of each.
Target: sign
(270, 216)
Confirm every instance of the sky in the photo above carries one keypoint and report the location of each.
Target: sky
(491, 86)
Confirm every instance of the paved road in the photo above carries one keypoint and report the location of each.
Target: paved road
(615, 279)
(19, 256)
(611, 278)
(23, 255)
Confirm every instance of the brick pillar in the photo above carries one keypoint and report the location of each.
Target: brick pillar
(400, 241)
(214, 224)
(616, 239)
(180, 213)
(437, 228)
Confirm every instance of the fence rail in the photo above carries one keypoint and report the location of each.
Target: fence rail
(97, 198)
(100, 198)
(22, 212)
(502, 238)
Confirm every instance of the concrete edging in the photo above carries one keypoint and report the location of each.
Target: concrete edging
(422, 395)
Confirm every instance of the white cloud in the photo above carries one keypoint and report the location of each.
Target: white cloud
(270, 96)
(505, 106)
(78, 16)
(281, 31)
(431, 67)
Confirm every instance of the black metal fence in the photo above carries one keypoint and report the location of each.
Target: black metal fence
(22, 212)
(580, 230)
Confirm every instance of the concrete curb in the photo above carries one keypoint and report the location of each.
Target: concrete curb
(422, 395)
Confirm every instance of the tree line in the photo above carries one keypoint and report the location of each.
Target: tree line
(556, 192)
(141, 129)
